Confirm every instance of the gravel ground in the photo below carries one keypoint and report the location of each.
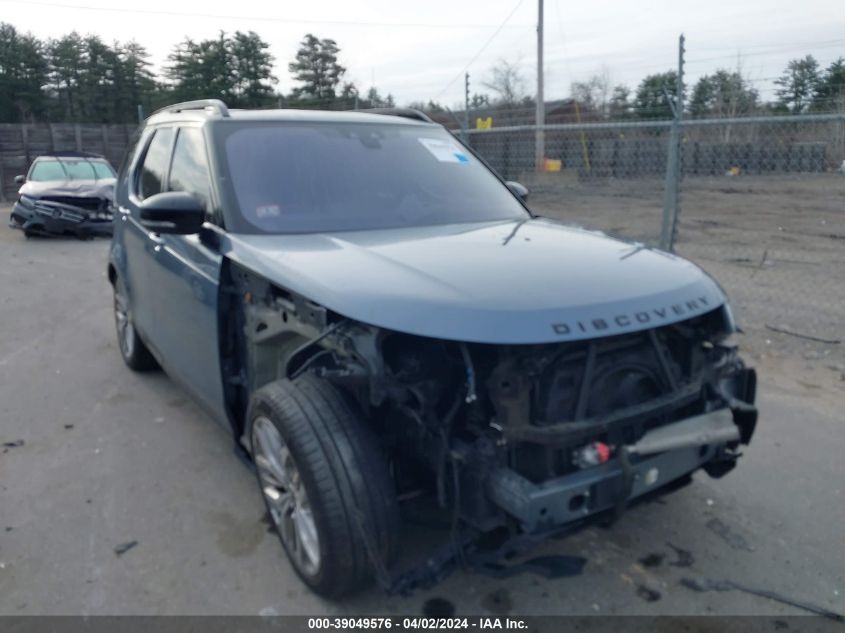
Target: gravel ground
(113, 460)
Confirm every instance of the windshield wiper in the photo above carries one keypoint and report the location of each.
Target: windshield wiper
(515, 229)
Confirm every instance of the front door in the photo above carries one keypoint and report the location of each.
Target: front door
(185, 283)
(145, 180)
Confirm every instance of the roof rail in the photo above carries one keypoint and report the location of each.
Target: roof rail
(214, 105)
(408, 113)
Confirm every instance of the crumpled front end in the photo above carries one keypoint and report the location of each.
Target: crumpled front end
(539, 436)
(531, 439)
(608, 477)
(82, 217)
(586, 429)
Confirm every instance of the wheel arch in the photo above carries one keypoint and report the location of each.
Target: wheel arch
(254, 339)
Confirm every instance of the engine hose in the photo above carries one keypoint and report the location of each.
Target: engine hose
(445, 432)
(311, 343)
(470, 369)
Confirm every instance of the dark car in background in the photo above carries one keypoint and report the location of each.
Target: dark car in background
(65, 193)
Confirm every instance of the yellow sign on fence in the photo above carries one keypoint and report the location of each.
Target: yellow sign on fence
(483, 124)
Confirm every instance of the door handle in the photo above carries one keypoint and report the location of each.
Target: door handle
(156, 241)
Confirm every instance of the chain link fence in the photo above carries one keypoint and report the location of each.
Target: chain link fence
(761, 207)
(608, 176)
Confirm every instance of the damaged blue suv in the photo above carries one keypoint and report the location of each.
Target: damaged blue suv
(381, 323)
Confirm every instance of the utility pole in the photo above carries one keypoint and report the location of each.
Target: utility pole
(672, 188)
(540, 140)
(465, 131)
(679, 119)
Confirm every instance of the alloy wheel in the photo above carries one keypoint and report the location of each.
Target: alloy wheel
(123, 321)
(285, 496)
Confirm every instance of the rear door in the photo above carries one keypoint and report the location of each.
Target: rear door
(185, 281)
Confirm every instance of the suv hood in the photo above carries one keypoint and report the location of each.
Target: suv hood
(532, 281)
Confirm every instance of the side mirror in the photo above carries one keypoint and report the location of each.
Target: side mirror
(20, 179)
(176, 212)
(519, 190)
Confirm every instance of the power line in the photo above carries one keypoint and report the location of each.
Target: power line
(791, 48)
(481, 50)
(801, 45)
(259, 18)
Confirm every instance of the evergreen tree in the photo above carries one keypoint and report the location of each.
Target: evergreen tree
(23, 73)
(97, 91)
(66, 63)
(135, 82)
(798, 84)
(650, 101)
(349, 97)
(236, 69)
(317, 69)
(830, 90)
(374, 99)
(253, 70)
(723, 94)
(181, 70)
(217, 68)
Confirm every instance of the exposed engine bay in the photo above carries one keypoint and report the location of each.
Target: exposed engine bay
(528, 437)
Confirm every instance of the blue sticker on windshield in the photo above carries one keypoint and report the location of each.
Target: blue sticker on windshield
(444, 150)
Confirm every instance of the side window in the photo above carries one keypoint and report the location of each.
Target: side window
(189, 170)
(124, 175)
(129, 154)
(154, 168)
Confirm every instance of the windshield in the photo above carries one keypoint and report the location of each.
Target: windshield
(315, 177)
(70, 169)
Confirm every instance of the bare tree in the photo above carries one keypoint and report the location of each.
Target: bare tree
(507, 83)
(595, 92)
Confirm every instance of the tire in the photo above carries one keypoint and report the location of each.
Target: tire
(332, 474)
(135, 354)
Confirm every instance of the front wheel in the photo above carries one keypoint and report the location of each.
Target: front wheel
(325, 483)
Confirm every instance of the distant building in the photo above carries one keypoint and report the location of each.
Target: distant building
(559, 111)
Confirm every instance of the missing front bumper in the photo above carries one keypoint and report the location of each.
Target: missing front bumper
(657, 459)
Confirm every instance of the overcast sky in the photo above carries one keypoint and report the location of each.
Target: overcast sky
(419, 51)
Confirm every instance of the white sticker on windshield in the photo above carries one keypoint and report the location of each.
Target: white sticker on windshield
(267, 211)
(445, 151)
